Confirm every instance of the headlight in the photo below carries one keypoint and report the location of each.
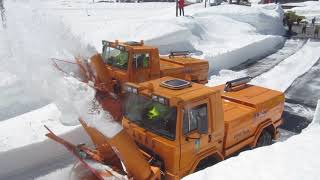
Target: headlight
(130, 89)
(105, 43)
(134, 90)
(160, 99)
(120, 47)
(155, 98)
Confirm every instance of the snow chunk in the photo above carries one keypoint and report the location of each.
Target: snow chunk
(223, 77)
(79, 98)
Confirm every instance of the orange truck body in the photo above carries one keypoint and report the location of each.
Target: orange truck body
(110, 76)
(209, 125)
(236, 120)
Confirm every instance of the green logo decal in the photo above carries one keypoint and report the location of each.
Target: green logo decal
(153, 113)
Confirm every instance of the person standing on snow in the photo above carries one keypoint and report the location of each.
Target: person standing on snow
(2, 12)
(304, 28)
(316, 31)
(313, 21)
(289, 23)
(181, 7)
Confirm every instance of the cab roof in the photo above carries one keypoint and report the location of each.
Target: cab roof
(188, 93)
(133, 45)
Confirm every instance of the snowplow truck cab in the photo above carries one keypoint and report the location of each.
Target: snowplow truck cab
(183, 127)
(136, 62)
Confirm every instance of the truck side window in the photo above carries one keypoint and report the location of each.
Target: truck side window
(195, 118)
(140, 60)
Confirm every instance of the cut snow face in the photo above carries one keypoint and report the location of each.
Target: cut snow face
(26, 46)
(294, 159)
(225, 35)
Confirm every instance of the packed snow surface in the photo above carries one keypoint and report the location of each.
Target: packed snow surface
(285, 72)
(294, 159)
(291, 68)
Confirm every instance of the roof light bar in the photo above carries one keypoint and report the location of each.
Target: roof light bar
(122, 48)
(179, 53)
(237, 82)
(160, 99)
(106, 43)
(131, 89)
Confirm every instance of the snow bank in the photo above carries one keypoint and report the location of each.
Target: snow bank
(223, 35)
(31, 39)
(294, 159)
(24, 146)
(286, 71)
(309, 9)
(62, 174)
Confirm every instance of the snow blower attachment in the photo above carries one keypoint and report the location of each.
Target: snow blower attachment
(117, 157)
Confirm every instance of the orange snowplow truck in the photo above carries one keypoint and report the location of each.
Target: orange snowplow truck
(173, 127)
(122, 62)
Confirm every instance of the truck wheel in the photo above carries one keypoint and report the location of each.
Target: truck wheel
(265, 139)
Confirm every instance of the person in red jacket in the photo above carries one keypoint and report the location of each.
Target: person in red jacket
(181, 7)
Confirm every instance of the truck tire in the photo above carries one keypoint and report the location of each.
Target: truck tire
(264, 139)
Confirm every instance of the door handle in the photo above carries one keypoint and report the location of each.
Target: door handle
(194, 138)
(209, 138)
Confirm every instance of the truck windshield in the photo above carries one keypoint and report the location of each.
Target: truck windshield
(115, 57)
(151, 115)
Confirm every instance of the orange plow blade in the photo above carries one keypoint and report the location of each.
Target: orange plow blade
(77, 68)
(89, 159)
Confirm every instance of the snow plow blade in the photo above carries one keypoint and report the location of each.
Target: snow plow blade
(89, 159)
(117, 157)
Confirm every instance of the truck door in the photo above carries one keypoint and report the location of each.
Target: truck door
(194, 139)
(141, 66)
